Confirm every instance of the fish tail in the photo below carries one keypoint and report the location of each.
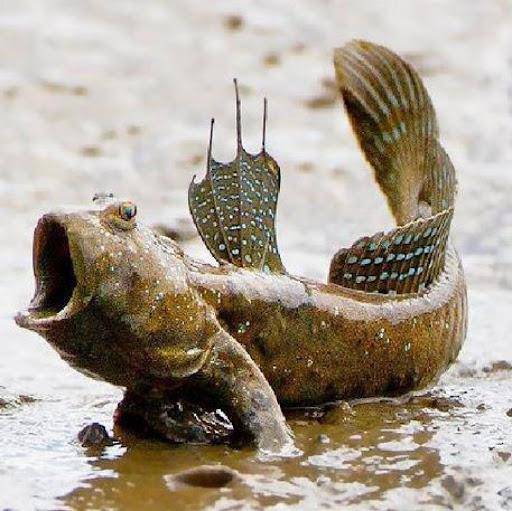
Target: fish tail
(395, 123)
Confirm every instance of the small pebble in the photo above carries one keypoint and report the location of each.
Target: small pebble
(453, 487)
(234, 22)
(94, 435)
(271, 60)
(133, 129)
(91, 151)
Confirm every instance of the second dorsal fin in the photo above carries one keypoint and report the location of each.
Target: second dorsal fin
(234, 206)
(404, 260)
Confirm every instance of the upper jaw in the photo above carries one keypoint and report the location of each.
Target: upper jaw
(60, 287)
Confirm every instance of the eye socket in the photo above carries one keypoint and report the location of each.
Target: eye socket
(127, 210)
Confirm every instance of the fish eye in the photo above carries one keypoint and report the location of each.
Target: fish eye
(127, 210)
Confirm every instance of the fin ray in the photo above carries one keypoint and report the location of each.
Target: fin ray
(395, 123)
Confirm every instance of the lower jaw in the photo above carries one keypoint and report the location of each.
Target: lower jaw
(38, 321)
(44, 319)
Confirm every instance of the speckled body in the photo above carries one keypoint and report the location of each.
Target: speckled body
(144, 315)
(318, 342)
(149, 313)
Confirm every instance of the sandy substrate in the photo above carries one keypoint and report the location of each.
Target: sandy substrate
(117, 96)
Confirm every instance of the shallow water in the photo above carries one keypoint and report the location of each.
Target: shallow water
(106, 96)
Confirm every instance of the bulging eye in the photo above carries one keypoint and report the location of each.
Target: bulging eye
(127, 210)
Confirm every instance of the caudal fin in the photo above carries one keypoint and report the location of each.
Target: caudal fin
(396, 126)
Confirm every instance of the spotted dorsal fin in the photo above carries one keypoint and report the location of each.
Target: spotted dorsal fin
(234, 206)
(395, 123)
(404, 260)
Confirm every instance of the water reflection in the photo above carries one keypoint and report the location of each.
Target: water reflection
(349, 458)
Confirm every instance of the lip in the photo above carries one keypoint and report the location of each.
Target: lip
(59, 291)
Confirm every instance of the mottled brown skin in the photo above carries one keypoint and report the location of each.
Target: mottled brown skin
(144, 316)
(320, 342)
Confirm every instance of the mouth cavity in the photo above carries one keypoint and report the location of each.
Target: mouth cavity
(56, 280)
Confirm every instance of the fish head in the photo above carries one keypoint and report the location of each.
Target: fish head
(111, 295)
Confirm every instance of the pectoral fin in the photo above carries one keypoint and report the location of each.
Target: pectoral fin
(233, 378)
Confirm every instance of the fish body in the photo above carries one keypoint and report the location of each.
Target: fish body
(124, 304)
(321, 342)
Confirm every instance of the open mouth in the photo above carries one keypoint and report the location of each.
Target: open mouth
(56, 295)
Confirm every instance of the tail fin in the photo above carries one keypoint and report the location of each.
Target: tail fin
(396, 126)
(234, 206)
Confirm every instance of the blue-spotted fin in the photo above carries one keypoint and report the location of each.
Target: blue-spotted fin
(234, 206)
(395, 123)
(405, 260)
